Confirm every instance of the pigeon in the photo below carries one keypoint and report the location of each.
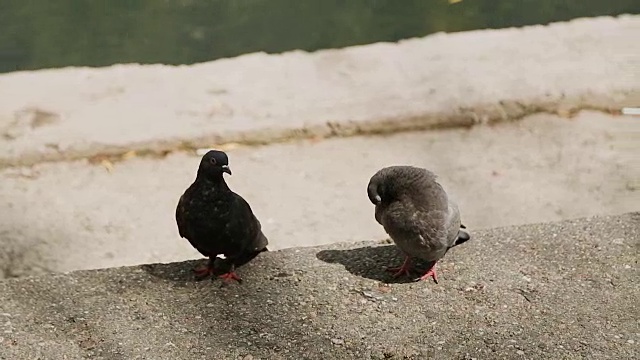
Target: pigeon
(417, 214)
(217, 221)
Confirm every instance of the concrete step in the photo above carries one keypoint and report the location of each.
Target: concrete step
(78, 215)
(542, 291)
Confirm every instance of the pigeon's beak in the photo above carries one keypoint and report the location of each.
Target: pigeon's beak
(225, 168)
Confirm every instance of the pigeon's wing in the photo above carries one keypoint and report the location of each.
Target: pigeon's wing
(436, 218)
(260, 241)
(246, 227)
(181, 216)
(432, 228)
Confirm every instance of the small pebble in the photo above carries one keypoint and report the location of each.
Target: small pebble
(337, 341)
(630, 341)
(520, 352)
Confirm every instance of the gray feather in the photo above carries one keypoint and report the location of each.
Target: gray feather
(415, 211)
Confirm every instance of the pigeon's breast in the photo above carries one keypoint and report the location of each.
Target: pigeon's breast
(413, 236)
(208, 217)
(418, 246)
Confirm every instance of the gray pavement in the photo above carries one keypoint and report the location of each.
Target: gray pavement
(565, 290)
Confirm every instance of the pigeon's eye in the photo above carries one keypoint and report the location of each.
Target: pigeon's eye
(212, 161)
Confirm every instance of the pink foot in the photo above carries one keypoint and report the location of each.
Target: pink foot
(230, 277)
(431, 273)
(203, 271)
(402, 270)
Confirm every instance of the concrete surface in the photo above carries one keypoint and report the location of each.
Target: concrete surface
(439, 80)
(565, 290)
(77, 215)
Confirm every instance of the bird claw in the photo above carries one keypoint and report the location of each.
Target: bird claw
(203, 271)
(230, 277)
(399, 271)
(402, 270)
(431, 273)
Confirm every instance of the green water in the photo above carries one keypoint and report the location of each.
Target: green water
(37, 34)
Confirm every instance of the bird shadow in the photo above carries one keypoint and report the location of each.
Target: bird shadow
(183, 272)
(371, 262)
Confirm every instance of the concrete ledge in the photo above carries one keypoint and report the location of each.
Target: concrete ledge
(441, 80)
(565, 290)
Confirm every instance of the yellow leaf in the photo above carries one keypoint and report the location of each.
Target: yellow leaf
(228, 146)
(107, 165)
(129, 154)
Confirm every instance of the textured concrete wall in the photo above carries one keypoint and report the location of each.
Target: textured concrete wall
(565, 290)
(439, 80)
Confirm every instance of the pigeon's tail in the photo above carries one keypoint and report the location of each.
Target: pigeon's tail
(261, 242)
(463, 236)
(247, 256)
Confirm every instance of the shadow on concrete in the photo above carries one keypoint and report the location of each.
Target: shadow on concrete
(371, 262)
(183, 272)
(259, 316)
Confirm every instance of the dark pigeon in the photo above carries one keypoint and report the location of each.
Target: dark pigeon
(217, 221)
(417, 214)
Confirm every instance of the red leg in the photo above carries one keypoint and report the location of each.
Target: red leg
(204, 271)
(230, 276)
(404, 269)
(430, 273)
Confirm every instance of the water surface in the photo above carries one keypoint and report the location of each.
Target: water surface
(37, 34)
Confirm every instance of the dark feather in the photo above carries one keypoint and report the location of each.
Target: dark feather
(215, 219)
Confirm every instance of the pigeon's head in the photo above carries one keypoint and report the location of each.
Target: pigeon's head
(213, 164)
(390, 183)
(377, 188)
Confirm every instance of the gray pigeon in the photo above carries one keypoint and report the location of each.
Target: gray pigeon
(417, 214)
